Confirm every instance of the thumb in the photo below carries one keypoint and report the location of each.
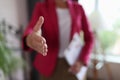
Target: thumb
(39, 24)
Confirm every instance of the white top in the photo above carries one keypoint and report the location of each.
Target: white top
(64, 21)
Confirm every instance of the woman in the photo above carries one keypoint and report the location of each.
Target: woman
(62, 19)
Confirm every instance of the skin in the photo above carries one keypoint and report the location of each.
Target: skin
(35, 40)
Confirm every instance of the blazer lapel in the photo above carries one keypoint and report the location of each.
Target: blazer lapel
(54, 20)
(72, 13)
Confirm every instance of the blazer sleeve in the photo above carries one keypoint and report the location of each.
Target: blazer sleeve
(29, 28)
(88, 39)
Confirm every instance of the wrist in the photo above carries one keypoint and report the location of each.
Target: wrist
(27, 40)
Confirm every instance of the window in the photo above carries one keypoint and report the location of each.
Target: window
(109, 36)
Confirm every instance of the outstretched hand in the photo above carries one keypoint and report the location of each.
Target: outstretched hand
(35, 40)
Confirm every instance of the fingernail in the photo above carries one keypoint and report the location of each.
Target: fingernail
(41, 18)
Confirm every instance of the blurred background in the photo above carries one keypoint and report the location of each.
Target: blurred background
(104, 17)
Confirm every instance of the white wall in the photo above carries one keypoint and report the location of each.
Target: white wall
(22, 12)
(14, 12)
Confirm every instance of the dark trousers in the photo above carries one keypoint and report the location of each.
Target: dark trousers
(34, 75)
(61, 72)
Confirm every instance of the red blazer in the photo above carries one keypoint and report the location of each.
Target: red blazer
(50, 30)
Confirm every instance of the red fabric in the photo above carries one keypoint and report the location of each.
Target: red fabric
(46, 65)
